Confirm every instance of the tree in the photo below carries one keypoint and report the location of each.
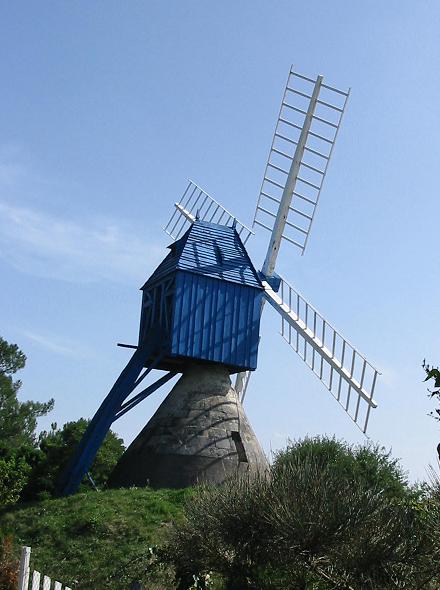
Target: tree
(433, 374)
(56, 448)
(29, 464)
(18, 420)
(14, 473)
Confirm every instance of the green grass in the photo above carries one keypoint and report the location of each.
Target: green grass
(96, 540)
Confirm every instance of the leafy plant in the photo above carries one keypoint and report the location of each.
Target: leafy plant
(326, 516)
(14, 474)
(55, 450)
(8, 565)
(18, 422)
(433, 374)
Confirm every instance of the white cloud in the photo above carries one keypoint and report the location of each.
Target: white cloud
(61, 347)
(45, 245)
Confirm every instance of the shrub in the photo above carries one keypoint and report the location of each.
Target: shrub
(326, 516)
(56, 448)
(371, 464)
(8, 565)
(14, 473)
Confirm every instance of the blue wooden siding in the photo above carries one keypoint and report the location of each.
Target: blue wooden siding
(216, 320)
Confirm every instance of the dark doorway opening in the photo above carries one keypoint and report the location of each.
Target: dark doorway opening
(239, 446)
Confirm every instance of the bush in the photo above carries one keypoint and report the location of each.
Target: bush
(370, 464)
(8, 565)
(13, 477)
(326, 516)
(54, 453)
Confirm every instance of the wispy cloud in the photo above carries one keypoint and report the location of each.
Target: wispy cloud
(57, 346)
(41, 244)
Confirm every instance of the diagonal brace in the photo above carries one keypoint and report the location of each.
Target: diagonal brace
(143, 394)
(100, 424)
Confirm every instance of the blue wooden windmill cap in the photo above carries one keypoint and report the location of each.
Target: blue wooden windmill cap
(205, 301)
(211, 250)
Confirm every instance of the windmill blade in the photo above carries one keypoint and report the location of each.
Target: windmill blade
(305, 134)
(349, 377)
(194, 204)
(241, 384)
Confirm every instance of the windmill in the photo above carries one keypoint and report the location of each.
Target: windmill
(201, 311)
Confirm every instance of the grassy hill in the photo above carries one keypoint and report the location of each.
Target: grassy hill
(96, 540)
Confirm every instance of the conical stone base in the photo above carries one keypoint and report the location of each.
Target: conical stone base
(199, 433)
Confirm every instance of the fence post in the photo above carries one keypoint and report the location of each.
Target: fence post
(23, 577)
(35, 580)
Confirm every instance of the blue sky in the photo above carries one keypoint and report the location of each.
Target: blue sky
(108, 107)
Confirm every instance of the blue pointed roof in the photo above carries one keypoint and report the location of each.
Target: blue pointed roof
(211, 250)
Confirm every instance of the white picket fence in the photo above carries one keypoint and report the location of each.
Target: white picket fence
(25, 575)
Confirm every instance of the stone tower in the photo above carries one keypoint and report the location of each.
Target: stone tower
(199, 433)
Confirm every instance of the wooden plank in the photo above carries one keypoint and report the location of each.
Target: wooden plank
(176, 314)
(184, 307)
(245, 327)
(46, 583)
(255, 330)
(213, 325)
(23, 576)
(248, 331)
(228, 313)
(218, 338)
(196, 349)
(234, 357)
(204, 319)
(192, 314)
(36, 580)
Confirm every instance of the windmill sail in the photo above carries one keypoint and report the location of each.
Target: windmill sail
(349, 377)
(241, 384)
(194, 204)
(306, 130)
(305, 134)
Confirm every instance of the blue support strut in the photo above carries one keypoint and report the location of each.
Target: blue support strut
(134, 401)
(102, 420)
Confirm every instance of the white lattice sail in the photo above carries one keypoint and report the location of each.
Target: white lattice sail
(349, 377)
(194, 204)
(305, 134)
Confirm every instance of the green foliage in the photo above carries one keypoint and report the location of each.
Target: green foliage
(433, 374)
(370, 464)
(317, 521)
(98, 540)
(18, 420)
(56, 448)
(31, 465)
(8, 565)
(11, 358)
(326, 516)
(14, 473)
